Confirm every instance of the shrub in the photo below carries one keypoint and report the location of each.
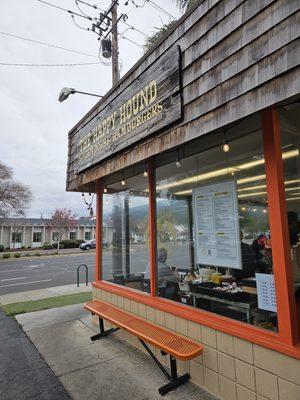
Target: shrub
(6, 255)
(1, 248)
(79, 241)
(22, 247)
(27, 254)
(17, 255)
(47, 246)
(68, 244)
(61, 246)
(37, 254)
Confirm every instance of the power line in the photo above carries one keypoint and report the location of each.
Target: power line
(47, 65)
(154, 5)
(89, 5)
(134, 28)
(66, 10)
(132, 41)
(47, 44)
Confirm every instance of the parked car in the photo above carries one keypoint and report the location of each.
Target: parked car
(90, 244)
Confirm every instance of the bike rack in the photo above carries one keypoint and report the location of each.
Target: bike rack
(86, 274)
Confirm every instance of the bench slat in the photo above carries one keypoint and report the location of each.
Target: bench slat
(170, 342)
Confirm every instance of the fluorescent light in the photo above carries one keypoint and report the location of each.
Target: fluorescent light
(252, 188)
(246, 189)
(224, 171)
(241, 196)
(292, 181)
(251, 179)
(292, 188)
(189, 191)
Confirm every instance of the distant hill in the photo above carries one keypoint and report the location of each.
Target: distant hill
(177, 207)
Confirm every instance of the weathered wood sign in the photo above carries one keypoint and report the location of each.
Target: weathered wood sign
(150, 103)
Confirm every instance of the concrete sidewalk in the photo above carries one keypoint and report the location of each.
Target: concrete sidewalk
(24, 374)
(43, 293)
(106, 369)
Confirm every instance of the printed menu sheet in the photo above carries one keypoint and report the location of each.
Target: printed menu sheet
(217, 232)
(266, 296)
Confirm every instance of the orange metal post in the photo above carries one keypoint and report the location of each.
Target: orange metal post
(99, 231)
(152, 227)
(285, 295)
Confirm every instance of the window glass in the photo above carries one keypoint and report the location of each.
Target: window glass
(16, 237)
(55, 237)
(125, 216)
(37, 237)
(87, 235)
(214, 242)
(290, 137)
(72, 235)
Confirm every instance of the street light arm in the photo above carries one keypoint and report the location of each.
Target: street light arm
(65, 93)
(89, 94)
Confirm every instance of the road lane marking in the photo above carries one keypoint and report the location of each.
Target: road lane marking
(26, 283)
(12, 279)
(30, 270)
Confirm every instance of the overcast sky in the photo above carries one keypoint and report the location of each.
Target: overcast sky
(34, 125)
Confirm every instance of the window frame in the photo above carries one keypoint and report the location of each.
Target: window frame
(37, 241)
(18, 237)
(286, 340)
(71, 234)
(87, 233)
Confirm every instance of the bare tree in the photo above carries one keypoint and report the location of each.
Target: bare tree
(61, 220)
(14, 197)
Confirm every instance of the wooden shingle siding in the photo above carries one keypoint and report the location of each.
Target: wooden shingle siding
(238, 57)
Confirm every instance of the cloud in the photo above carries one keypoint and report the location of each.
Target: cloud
(34, 125)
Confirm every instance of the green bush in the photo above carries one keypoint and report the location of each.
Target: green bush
(6, 255)
(37, 254)
(79, 241)
(23, 247)
(68, 244)
(61, 246)
(1, 248)
(17, 255)
(47, 246)
(27, 254)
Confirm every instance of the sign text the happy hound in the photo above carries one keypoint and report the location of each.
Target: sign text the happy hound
(150, 103)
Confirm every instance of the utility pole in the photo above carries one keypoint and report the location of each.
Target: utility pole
(114, 43)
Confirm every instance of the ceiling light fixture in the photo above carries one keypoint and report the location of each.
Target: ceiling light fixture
(225, 171)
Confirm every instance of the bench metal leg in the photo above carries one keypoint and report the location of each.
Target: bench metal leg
(103, 333)
(174, 380)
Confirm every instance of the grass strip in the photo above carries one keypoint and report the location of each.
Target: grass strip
(44, 304)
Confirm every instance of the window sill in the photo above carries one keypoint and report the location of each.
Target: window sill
(250, 333)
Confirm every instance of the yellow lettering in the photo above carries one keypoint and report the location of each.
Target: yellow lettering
(129, 109)
(152, 91)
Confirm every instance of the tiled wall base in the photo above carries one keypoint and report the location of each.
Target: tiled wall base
(229, 367)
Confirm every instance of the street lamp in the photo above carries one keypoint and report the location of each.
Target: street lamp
(65, 93)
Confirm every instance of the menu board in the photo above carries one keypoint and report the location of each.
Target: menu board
(266, 295)
(217, 232)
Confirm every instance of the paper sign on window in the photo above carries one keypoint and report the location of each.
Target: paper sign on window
(266, 295)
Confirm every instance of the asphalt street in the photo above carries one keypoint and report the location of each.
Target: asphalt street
(18, 275)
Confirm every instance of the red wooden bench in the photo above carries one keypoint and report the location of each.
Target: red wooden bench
(177, 346)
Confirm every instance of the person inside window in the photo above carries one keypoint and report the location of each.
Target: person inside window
(166, 278)
(294, 232)
(249, 261)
